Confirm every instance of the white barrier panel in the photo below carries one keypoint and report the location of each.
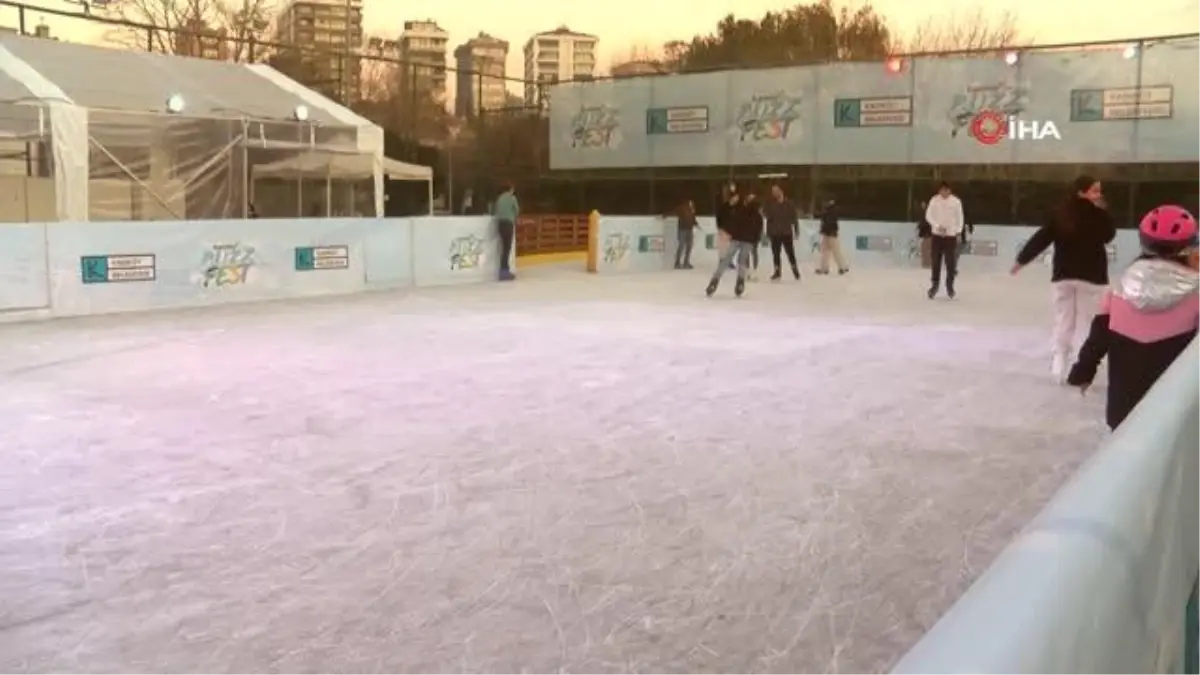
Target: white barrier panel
(73, 269)
(24, 275)
(456, 250)
(633, 244)
(866, 244)
(100, 267)
(1099, 581)
(388, 253)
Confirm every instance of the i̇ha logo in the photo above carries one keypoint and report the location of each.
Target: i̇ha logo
(990, 127)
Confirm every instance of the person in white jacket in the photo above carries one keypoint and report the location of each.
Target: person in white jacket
(945, 217)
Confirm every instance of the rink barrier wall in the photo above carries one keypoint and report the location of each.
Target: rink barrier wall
(631, 244)
(75, 269)
(1104, 579)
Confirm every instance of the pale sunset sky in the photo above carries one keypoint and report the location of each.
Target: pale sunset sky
(626, 24)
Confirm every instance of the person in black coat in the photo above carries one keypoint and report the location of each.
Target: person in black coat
(783, 226)
(831, 246)
(1079, 229)
(745, 230)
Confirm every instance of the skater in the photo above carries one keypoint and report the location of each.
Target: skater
(754, 219)
(506, 211)
(924, 235)
(1148, 317)
(783, 226)
(945, 217)
(1078, 229)
(687, 225)
(725, 215)
(744, 234)
(831, 246)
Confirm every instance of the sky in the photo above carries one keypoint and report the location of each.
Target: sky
(623, 25)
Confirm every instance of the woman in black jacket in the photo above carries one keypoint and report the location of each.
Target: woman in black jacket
(1079, 230)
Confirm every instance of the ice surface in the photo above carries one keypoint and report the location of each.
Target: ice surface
(562, 474)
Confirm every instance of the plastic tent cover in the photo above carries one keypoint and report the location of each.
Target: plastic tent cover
(341, 167)
(68, 137)
(370, 136)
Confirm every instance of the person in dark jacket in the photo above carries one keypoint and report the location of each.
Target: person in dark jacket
(686, 221)
(728, 205)
(783, 226)
(745, 230)
(1149, 316)
(924, 237)
(1079, 229)
(753, 213)
(830, 244)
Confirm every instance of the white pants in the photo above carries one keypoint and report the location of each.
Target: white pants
(1075, 305)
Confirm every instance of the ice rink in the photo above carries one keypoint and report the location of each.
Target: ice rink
(567, 473)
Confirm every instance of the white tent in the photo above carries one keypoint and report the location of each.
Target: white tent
(330, 167)
(184, 121)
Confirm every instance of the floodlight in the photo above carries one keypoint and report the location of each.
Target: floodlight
(175, 104)
(301, 113)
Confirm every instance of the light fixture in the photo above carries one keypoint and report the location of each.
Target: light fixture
(1011, 58)
(175, 104)
(1130, 52)
(895, 65)
(301, 113)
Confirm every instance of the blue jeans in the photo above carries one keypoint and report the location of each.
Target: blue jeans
(739, 251)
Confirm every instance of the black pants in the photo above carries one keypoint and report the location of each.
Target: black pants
(505, 228)
(788, 246)
(943, 249)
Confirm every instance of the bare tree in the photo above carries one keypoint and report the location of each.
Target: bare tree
(177, 26)
(975, 30)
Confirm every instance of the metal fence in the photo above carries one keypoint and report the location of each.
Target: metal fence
(474, 148)
(1127, 112)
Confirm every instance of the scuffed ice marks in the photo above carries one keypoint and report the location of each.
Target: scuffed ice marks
(530, 489)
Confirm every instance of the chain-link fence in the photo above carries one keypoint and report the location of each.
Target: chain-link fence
(486, 129)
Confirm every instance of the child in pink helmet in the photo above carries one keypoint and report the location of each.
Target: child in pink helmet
(1149, 315)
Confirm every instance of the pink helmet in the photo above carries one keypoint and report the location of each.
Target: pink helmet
(1167, 231)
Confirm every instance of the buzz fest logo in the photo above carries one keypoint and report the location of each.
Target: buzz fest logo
(768, 117)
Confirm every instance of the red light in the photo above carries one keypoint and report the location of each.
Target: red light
(895, 65)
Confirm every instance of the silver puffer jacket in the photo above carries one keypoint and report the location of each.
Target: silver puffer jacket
(1155, 285)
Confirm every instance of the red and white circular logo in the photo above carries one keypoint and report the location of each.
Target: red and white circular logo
(989, 127)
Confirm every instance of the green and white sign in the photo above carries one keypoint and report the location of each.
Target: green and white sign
(689, 120)
(1123, 103)
(895, 111)
(312, 258)
(104, 269)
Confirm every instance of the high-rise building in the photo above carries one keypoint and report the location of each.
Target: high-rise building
(480, 82)
(559, 55)
(423, 49)
(197, 39)
(327, 36)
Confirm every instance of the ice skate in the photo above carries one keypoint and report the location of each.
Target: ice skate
(932, 292)
(950, 292)
(842, 271)
(739, 287)
(796, 273)
(777, 275)
(505, 275)
(712, 288)
(1058, 369)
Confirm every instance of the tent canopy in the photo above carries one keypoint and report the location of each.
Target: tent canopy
(85, 92)
(319, 166)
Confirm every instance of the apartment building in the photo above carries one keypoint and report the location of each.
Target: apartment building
(197, 39)
(557, 56)
(328, 37)
(480, 79)
(424, 43)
